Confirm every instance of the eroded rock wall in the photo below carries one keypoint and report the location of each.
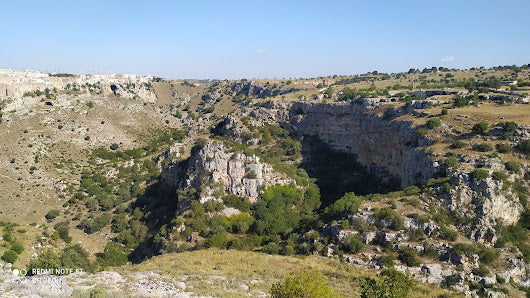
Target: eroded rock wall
(236, 173)
(384, 147)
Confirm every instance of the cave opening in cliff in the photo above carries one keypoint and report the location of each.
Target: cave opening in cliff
(338, 172)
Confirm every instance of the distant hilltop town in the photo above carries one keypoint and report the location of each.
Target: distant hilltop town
(15, 83)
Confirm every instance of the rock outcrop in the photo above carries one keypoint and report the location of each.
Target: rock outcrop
(215, 167)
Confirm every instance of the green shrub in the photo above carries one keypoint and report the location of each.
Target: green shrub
(345, 224)
(288, 250)
(304, 284)
(444, 111)
(17, 247)
(480, 127)
(343, 207)
(389, 283)
(479, 174)
(451, 161)
(482, 147)
(499, 176)
(241, 203)
(508, 126)
(96, 224)
(353, 243)
(481, 271)
(412, 190)
(488, 255)
(271, 248)
(45, 260)
(433, 122)
(396, 222)
(447, 233)
(76, 257)
(114, 146)
(52, 214)
(421, 132)
(512, 167)
(387, 260)
(217, 240)
(408, 256)
(503, 148)
(112, 255)
(63, 230)
(451, 280)
(184, 247)
(9, 256)
(523, 147)
(274, 212)
(240, 223)
(458, 144)
(460, 101)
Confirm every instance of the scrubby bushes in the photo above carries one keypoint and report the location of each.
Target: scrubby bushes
(9, 256)
(458, 144)
(75, 257)
(482, 147)
(63, 230)
(447, 233)
(503, 148)
(52, 214)
(408, 256)
(388, 214)
(523, 147)
(304, 284)
(512, 167)
(353, 243)
(460, 101)
(433, 122)
(412, 190)
(499, 176)
(279, 210)
(344, 206)
(479, 174)
(112, 255)
(96, 224)
(389, 283)
(451, 161)
(241, 203)
(508, 126)
(480, 127)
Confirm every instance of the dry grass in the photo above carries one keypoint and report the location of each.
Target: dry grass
(257, 270)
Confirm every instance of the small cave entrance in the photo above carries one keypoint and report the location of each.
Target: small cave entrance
(338, 172)
(114, 88)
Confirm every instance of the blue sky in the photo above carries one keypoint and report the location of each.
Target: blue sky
(261, 39)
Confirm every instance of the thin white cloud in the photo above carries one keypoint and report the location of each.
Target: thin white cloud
(260, 52)
(448, 59)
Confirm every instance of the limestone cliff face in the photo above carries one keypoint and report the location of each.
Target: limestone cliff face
(213, 166)
(379, 144)
(389, 148)
(384, 147)
(485, 200)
